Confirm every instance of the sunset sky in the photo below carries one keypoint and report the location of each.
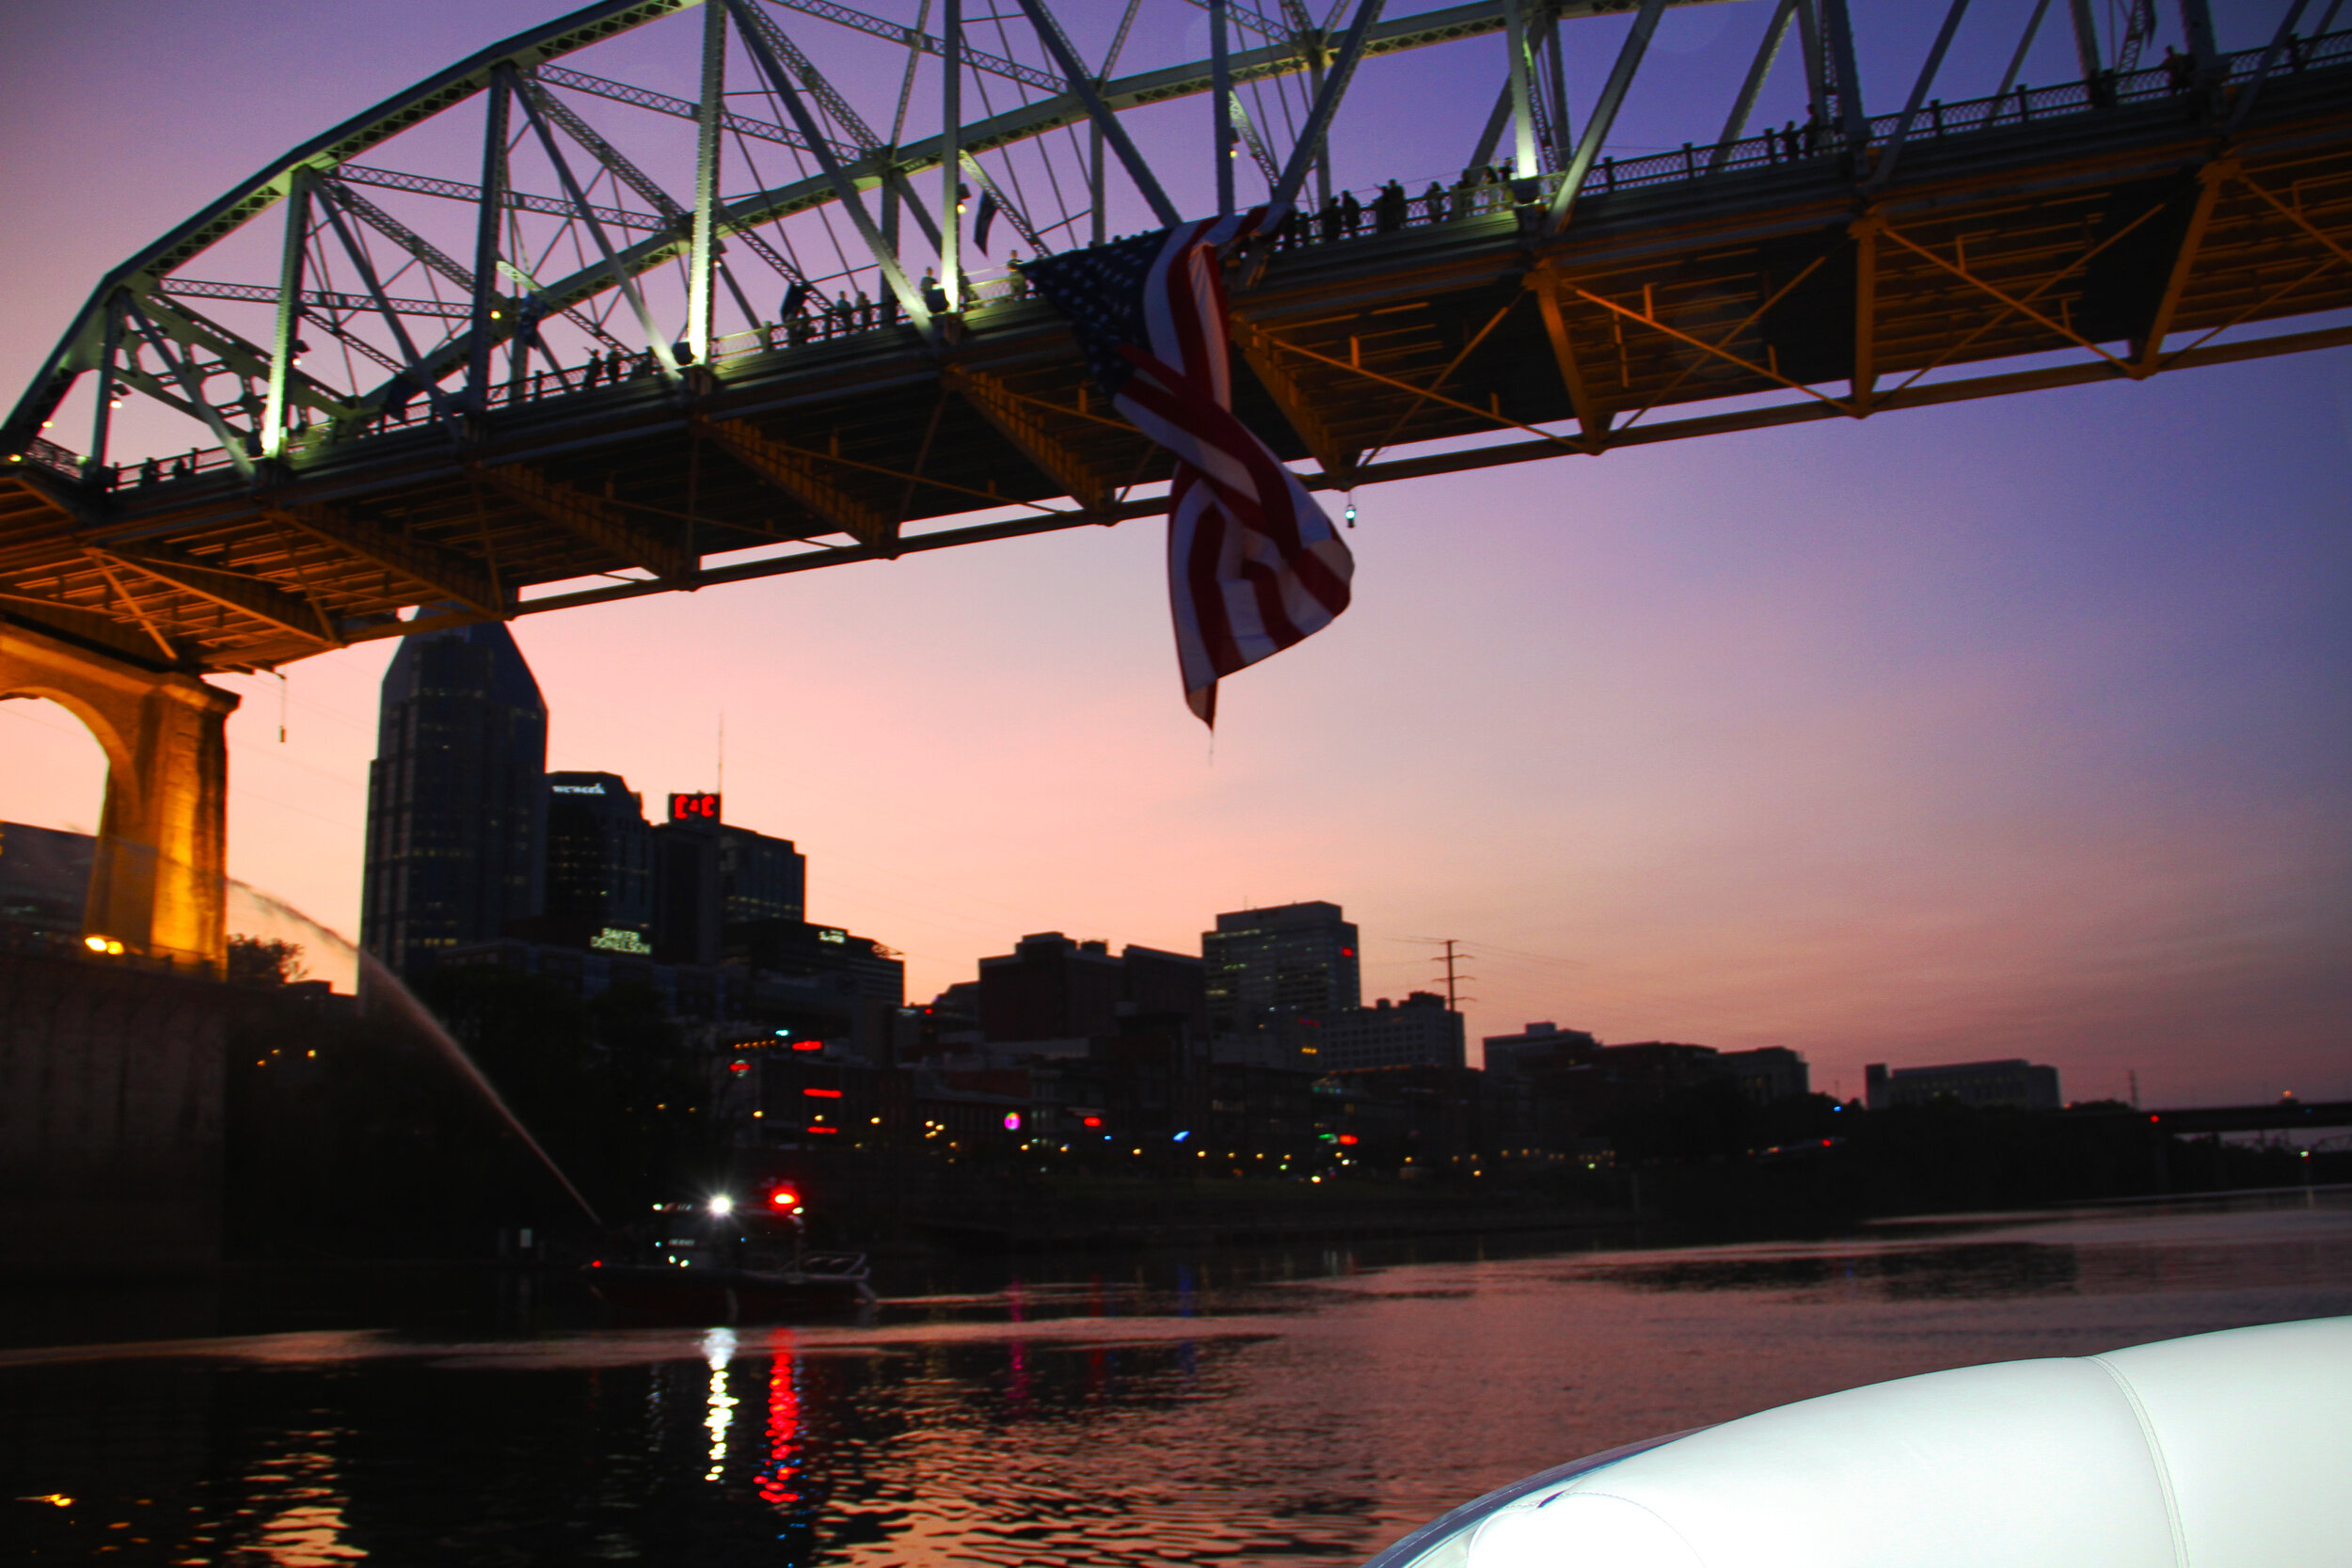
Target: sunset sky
(2010, 728)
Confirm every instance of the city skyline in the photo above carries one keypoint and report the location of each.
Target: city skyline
(2010, 729)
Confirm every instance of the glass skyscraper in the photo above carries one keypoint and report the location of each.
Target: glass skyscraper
(599, 861)
(1277, 972)
(455, 797)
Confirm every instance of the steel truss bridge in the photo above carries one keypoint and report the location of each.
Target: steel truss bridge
(531, 334)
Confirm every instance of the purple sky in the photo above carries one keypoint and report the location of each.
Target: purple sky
(2011, 728)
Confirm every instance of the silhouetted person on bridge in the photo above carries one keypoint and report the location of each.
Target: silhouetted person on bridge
(1389, 208)
(1433, 203)
(1328, 220)
(2180, 70)
(934, 297)
(1351, 214)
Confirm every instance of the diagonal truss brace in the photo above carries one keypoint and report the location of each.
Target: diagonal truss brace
(591, 518)
(1337, 459)
(1604, 116)
(870, 146)
(655, 339)
(1010, 415)
(754, 28)
(996, 65)
(191, 386)
(1081, 86)
(432, 256)
(444, 573)
(1591, 417)
(799, 478)
(415, 372)
(1318, 126)
(241, 592)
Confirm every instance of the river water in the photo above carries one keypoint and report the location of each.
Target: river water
(1267, 1408)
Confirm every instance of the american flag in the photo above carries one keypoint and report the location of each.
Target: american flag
(1253, 564)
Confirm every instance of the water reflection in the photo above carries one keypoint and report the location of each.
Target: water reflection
(1999, 1269)
(1216, 1408)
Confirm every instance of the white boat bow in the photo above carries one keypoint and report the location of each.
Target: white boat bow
(2220, 1450)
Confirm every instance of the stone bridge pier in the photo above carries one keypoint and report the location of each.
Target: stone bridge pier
(158, 875)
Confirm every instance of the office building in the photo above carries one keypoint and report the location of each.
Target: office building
(599, 877)
(1420, 1031)
(1766, 1074)
(1052, 988)
(44, 882)
(709, 875)
(854, 965)
(1274, 974)
(2014, 1082)
(760, 878)
(455, 797)
(1539, 1047)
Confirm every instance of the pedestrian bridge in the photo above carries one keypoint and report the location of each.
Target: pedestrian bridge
(475, 354)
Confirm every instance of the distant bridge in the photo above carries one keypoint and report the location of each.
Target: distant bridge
(386, 423)
(2278, 1116)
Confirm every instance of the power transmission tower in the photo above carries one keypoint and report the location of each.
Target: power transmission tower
(1453, 993)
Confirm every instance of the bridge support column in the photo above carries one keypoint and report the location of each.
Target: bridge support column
(157, 879)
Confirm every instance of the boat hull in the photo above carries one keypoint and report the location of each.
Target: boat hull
(656, 1295)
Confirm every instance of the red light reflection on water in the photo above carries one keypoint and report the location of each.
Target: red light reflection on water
(779, 1477)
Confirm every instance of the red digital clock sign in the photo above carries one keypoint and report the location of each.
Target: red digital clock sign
(702, 806)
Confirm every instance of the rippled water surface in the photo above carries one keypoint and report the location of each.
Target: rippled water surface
(1273, 1410)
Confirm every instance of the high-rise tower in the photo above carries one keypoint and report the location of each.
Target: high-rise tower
(455, 797)
(1275, 971)
(598, 860)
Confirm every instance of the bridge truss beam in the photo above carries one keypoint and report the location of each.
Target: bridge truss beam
(2107, 230)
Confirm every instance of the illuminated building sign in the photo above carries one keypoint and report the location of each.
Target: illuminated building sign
(826, 933)
(701, 806)
(577, 789)
(620, 939)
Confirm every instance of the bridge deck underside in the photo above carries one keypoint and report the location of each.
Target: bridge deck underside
(2105, 247)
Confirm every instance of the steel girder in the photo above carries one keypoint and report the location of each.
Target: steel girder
(1753, 285)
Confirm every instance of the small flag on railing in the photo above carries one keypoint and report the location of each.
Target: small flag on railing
(1253, 564)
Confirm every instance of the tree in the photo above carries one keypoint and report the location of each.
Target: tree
(265, 961)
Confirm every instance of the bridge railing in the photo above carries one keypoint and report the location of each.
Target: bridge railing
(1475, 193)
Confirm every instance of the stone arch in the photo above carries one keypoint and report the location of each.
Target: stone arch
(157, 876)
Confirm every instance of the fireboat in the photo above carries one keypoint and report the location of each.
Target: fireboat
(718, 1262)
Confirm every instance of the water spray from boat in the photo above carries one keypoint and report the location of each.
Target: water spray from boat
(382, 987)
